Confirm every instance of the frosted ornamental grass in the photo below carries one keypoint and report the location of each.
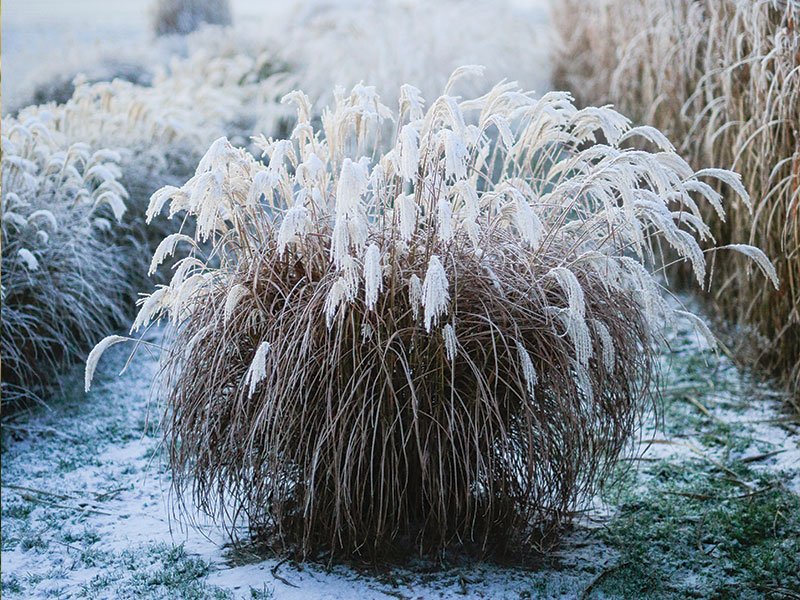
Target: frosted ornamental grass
(355, 368)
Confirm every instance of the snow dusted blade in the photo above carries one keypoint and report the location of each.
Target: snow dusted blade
(94, 357)
(758, 257)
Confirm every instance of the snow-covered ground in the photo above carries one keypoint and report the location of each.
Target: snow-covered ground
(87, 511)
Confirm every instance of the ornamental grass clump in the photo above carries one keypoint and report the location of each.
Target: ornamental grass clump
(447, 342)
(62, 280)
(721, 77)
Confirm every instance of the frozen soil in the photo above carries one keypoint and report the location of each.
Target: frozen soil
(708, 507)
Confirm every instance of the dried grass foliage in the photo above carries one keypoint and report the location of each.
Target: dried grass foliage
(422, 327)
(723, 78)
(379, 438)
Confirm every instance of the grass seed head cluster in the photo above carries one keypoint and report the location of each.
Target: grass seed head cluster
(420, 326)
(228, 81)
(721, 77)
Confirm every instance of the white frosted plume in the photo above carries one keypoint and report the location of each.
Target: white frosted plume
(411, 100)
(295, 224)
(572, 287)
(159, 199)
(217, 155)
(151, 306)
(46, 215)
(409, 152)
(167, 248)
(700, 327)
(456, 155)
(352, 184)
(236, 293)
(407, 214)
(340, 242)
(435, 293)
(302, 104)
(734, 180)
(258, 368)
(528, 370)
(607, 344)
(31, 263)
(373, 276)
(574, 316)
(350, 228)
(415, 295)
(462, 72)
(758, 257)
(335, 297)
(309, 170)
(450, 342)
(94, 357)
(444, 217)
(528, 223)
(116, 203)
(504, 129)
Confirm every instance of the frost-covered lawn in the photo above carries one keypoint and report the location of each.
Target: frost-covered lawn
(711, 508)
